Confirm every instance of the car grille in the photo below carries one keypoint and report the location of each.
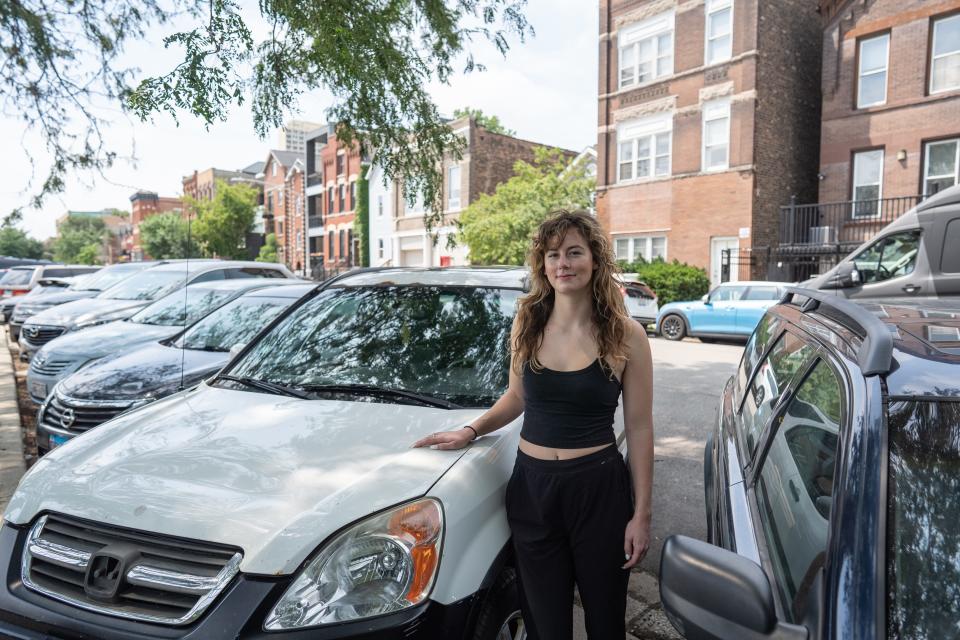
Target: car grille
(50, 367)
(40, 335)
(160, 579)
(72, 415)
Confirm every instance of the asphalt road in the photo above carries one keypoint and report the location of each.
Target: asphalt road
(688, 379)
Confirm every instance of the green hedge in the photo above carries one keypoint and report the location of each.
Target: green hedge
(671, 281)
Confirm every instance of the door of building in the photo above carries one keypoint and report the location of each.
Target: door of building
(717, 248)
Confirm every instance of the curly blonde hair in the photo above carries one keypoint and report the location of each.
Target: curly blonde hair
(610, 317)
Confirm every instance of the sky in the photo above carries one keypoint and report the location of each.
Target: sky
(545, 89)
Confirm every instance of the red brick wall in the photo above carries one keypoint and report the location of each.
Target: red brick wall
(337, 219)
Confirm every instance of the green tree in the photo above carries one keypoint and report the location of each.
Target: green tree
(167, 235)
(671, 281)
(88, 254)
(17, 244)
(268, 252)
(490, 123)
(498, 227)
(362, 218)
(64, 62)
(75, 235)
(223, 222)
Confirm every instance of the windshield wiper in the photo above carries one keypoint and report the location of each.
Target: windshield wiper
(384, 392)
(263, 385)
(206, 348)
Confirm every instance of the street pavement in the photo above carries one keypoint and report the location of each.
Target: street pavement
(11, 450)
(688, 378)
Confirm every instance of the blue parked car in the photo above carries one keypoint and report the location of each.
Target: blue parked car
(731, 310)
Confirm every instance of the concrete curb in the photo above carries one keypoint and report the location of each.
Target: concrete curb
(11, 439)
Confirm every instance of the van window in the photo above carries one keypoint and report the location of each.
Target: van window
(58, 272)
(766, 330)
(17, 276)
(889, 257)
(950, 257)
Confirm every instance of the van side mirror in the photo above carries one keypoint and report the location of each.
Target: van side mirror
(709, 593)
(844, 277)
(237, 348)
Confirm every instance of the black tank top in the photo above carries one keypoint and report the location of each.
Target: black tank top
(569, 409)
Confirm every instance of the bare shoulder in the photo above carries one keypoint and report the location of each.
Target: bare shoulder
(638, 345)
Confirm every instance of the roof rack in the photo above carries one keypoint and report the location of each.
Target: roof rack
(876, 354)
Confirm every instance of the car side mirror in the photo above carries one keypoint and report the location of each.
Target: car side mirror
(705, 299)
(846, 276)
(236, 349)
(709, 593)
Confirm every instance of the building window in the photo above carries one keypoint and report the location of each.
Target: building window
(341, 162)
(353, 195)
(716, 135)
(941, 165)
(453, 188)
(343, 245)
(416, 206)
(329, 200)
(273, 168)
(643, 148)
(719, 29)
(867, 183)
(330, 241)
(646, 50)
(380, 248)
(380, 208)
(270, 203)
(872, 74)
(631, 249)
(945, 55)
(342, 196)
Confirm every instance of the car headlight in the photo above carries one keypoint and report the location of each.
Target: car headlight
(385, 563)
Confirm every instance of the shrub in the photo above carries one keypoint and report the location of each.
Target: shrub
(671, 281)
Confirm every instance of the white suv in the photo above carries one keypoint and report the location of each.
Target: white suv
(281, 497)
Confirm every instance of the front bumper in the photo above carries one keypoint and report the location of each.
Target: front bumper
(238, 613)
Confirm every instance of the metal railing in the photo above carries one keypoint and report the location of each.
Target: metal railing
(837, 226)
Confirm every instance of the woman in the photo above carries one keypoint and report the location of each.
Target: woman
(574, 350)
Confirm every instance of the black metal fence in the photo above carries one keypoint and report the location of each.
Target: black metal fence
(837, 226)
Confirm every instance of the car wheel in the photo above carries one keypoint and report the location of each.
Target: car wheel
(500, 617)
(673, 328)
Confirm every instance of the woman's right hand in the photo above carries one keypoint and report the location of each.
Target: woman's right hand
(446, 439)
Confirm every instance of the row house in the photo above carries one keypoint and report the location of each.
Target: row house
(890, 133)
(202, 186)
(708, 121)
(332, 171)
(398, 236)
(284, 207)
(144, 204)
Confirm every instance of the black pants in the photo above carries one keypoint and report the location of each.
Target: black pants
(568, 519)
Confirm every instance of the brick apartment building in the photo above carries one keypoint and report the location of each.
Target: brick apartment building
(332, 172)
(283, 192)
(202, 186)
(708, 123)
(890, 133)
(143, 205)
(397, 232)
(119, 232)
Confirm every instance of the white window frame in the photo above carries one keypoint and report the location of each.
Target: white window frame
(632, 133)
(934, 58)
(453, 187)
(854, 185)
(633, 241)
(926, 163)
(712, 7)
(630, 38)
(713, 111)
(861, 74)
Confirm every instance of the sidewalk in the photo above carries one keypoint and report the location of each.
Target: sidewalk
(11, 440)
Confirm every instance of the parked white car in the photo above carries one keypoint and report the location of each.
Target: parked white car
(281, 497)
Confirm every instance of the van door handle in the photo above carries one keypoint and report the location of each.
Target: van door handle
(911, 288)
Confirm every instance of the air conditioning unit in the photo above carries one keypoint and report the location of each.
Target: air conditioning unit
(821, 235)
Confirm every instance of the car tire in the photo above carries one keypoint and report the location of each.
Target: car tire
(673, 327)
(500, 617)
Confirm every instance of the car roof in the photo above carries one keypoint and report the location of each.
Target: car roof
(493, 277)
(295, 289)
(925, 349)
(235, 284)
(755, 283)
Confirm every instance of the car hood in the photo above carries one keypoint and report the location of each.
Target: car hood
(105, 339)
(154, 369)
(65, 315)
(273, 475)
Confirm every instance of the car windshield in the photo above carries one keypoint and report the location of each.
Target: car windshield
(189, 303)
(17, 276)
(103, 279)
(233, 324)
(444, 342)
(923, 507)
(147, 285)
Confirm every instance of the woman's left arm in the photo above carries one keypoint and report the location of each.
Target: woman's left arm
(638, 424)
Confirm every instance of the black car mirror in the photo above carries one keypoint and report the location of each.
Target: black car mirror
(844, 277)
(709, 593)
